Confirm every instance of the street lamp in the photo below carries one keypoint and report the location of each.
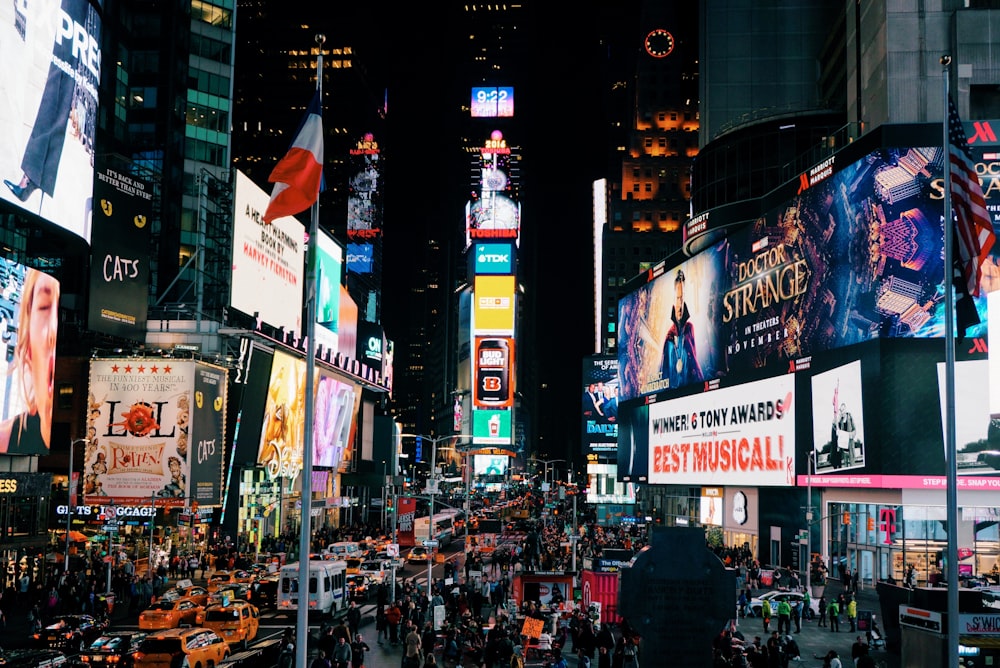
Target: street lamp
(546, 463)
(431, 491)
(70, 505)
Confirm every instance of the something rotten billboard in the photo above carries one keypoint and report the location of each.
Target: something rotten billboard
(600, 405)
(144, 443)
(856, 255)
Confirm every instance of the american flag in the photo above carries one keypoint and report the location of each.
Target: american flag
(974, 234)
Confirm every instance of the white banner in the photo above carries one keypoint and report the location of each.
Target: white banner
(742, 435)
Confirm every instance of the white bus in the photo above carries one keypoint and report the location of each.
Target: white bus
(327, 587)
(443, 529)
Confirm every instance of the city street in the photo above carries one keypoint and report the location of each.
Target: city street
(814, 641)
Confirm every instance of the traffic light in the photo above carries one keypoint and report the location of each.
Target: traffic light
(847, 519)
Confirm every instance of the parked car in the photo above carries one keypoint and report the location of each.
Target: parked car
(775, 596)
(188, 647)
(32, 658)
(171, 613)
(114, 648)
(237, 622)
(70, 632)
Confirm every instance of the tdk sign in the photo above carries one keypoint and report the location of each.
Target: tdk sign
(493, 259)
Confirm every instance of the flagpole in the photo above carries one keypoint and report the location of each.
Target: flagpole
(951, 573)
(305, 529)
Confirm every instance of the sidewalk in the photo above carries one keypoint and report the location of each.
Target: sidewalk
(816, 641)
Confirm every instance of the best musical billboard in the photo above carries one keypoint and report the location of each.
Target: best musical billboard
(740, 435)
(119, 261)
(268, 260)
(208, 433)
(29, 308)
(52, 69)
(855, 255)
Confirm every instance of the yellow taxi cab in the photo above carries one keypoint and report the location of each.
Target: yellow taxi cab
(186, 588)
(219, 578)
(244, 577)
(236, 621)
(353, 565)
(187, 646)
(170, 613)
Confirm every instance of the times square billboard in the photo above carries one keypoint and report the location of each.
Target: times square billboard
(155, 431)
(599, 412)
(854, 256)
(840, 287)
(53, 60)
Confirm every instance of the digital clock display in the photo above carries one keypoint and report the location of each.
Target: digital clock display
(492, 102)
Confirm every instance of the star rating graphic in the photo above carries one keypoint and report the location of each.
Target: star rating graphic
(141, 369)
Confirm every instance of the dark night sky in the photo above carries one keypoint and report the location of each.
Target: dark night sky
(564, 151)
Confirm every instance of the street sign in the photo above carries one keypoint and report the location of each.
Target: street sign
(392, 550)
(431, 544)
(109, 528)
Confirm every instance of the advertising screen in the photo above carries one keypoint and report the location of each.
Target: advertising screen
(335, 421)
(491, 427)
(29, 308)
(329, 264)
(856, 255)
(838, 419)
(740, 435)
(119, 265)
(600, 405)
(493, 259)
(282, 438)
(492, 217)
(139, 425)
(268, 260)
(207, 438)
(492, 102)
(489, 464)
(493, 305)
(494, 386)
(364, 202)
(359, 258)
(52, 58)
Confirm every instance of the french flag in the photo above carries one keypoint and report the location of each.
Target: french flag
(297, 177)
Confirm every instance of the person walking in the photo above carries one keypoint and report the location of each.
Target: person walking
(833, 611)
(341, 657)
(765, 612)
(797, 615)
(358, 649)
(822, 611)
